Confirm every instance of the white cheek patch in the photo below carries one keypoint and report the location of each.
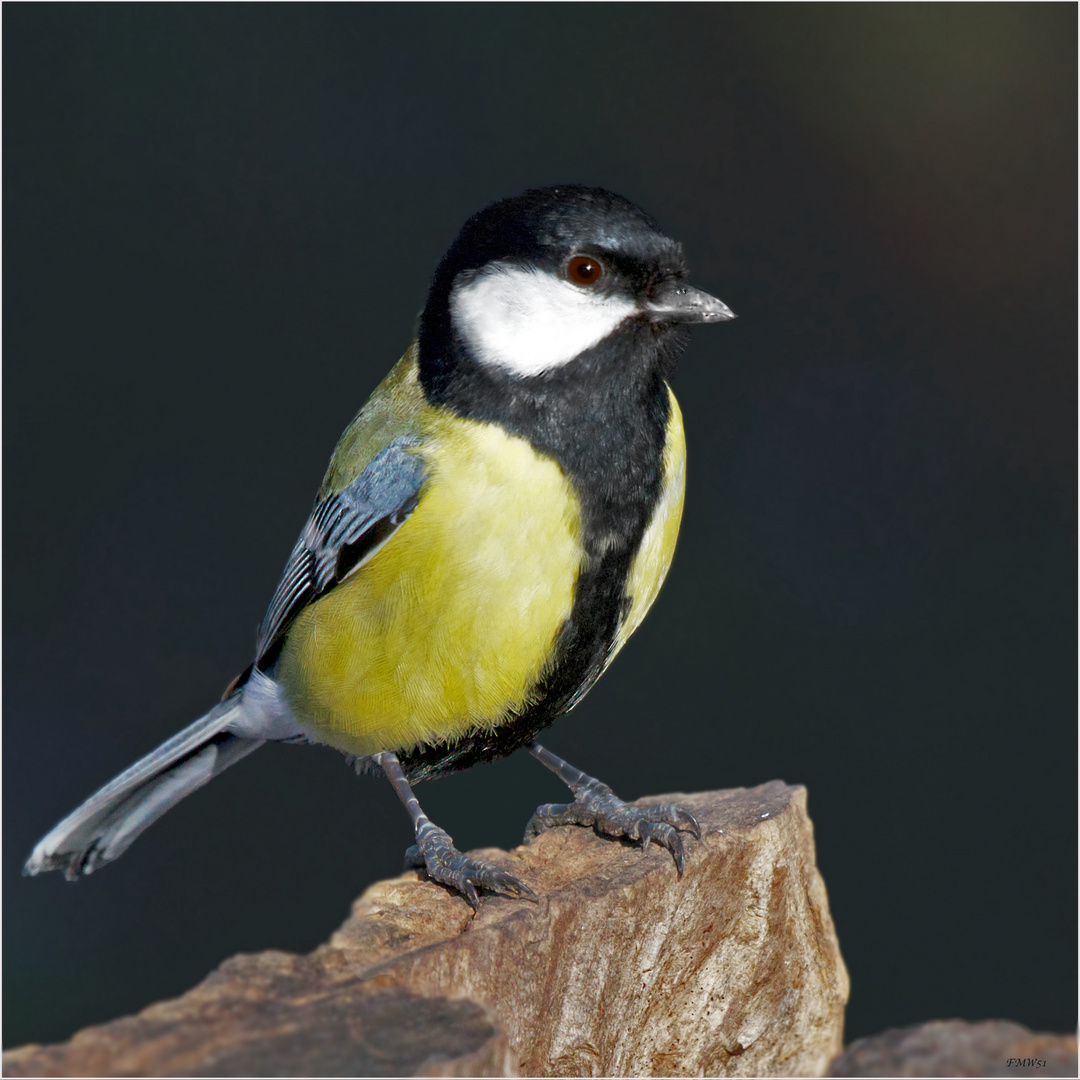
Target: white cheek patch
(529, 321)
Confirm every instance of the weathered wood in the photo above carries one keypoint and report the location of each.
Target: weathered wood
(959, 1048)
(621, 968)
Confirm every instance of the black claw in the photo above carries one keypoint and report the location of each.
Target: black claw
(500, 881)
(435, 852)
(596, 805)
(667, 836)
(691, 824)
(678, 853)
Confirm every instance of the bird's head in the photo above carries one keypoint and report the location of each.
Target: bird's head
(536, 284)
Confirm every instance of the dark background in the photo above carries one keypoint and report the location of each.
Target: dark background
(220, 221)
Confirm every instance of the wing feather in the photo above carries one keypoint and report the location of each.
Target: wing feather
(343, 532)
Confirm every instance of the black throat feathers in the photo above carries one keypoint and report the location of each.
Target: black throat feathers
(603, 418)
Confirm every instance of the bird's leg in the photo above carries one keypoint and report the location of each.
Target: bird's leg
(434, 849)
(595, 804)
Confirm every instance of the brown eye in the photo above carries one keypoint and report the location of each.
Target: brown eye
(584, 270)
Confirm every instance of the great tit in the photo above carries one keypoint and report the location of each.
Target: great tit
(492, 527)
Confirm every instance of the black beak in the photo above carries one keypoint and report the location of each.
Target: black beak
(675, 301)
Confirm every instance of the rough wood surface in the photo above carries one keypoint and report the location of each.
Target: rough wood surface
(959, 1048)
(620, 969)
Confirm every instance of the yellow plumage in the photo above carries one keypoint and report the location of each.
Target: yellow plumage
(650, 565)
(449, 626)
(446, 628)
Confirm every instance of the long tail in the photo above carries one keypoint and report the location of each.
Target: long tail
(105, 825)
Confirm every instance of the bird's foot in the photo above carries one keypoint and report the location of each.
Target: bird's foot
(434, 851)
(595, 804)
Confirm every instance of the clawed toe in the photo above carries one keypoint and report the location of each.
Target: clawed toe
(549, 816)
(666, 836)
(435, 852)
(675, 816)
(469, 875)
(500, 881)
(597, 805)
(686, 821)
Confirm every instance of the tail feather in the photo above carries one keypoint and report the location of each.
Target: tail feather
(106, 824)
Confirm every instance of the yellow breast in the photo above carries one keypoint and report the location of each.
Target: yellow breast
(448, 627)
(650, 565)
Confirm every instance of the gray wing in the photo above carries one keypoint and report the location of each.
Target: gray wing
(343, 532)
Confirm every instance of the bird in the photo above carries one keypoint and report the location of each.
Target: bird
(492, 527)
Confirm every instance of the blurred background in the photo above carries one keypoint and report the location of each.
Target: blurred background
(220, 221)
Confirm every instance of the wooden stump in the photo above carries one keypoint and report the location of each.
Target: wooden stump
(621, 968)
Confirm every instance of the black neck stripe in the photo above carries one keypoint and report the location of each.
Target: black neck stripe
(603, 418)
